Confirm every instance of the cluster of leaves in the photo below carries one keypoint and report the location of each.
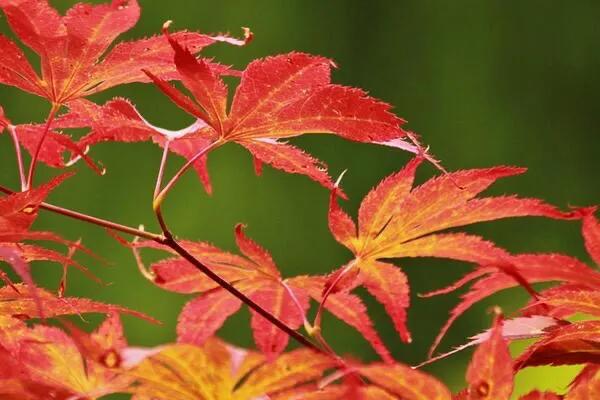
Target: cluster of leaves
(277, 98)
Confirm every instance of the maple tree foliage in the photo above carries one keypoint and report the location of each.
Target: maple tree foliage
(578, 283)
(45, 354)
(257, 276)
(278, 97)
(17, 213)
(73, 48)
(396, 220)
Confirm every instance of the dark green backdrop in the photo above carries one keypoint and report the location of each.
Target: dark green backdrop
(483, 82)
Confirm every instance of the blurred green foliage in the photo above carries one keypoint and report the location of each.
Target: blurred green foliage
(484, 83)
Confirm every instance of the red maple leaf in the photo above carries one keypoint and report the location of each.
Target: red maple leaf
(574, 276)
(256, 275)
(58, 149)
(118, 120)
(278, 98)
(18, 211)
(73, 49)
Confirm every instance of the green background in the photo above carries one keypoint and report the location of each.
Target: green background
(484, 82)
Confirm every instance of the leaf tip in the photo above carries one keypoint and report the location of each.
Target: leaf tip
(339, 180)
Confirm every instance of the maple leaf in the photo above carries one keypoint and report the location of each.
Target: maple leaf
(18, 211)
(280, 97)
(591, 233)
(397, 220)
(363, 392)
(217, 371)
(490, 373)
(56, 145)
(377, 381)
(257, 276)
(586, 385)
(571, 344)
(578, 342)
(568, 302)
(49, 362)
(19, 302)
(534, 268)
(405, 382)
(72, 49)
(4, 122)
(537, 395)
(512, 329)
(119, 120)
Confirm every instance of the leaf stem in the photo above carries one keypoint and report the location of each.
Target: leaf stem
(146, 273)
(329, 291)
(94, 220)
(159, 198)
(15, 139)
(161, 169)
(53, 110)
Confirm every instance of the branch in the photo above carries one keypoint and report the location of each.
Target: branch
(169, 240)
(160, 196)
(94, 220)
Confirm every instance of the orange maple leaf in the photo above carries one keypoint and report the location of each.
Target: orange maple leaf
(396, 220)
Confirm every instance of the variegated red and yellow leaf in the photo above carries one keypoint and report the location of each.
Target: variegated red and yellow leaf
(216, 371)
(47, 356)
(389, 286)
(287, 371)
(396, 220)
